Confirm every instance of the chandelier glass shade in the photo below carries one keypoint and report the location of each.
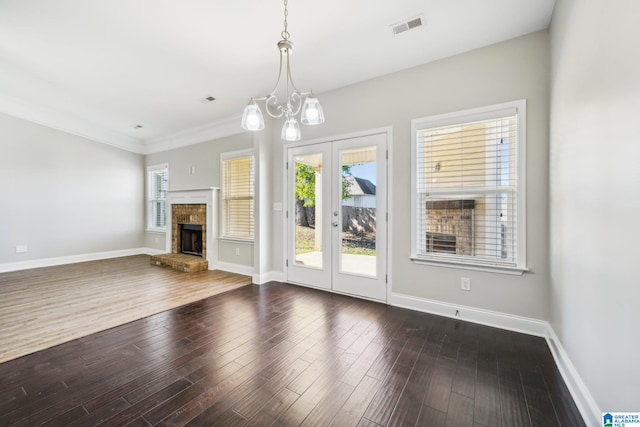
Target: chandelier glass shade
(252, 118)
(293, 104)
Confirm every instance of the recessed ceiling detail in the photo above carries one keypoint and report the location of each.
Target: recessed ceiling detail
(72, 48)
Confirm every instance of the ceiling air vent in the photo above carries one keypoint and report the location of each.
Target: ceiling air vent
(409, 24)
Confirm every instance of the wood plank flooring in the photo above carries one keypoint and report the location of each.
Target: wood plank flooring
(283, 355)
(43, 307)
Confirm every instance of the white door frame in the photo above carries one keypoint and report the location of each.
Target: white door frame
(308, 273)
(388, 131)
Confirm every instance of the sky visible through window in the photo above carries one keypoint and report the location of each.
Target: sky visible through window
(365, 170)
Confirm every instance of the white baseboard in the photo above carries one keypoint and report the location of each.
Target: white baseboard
(234, 268)
(70, 259)
(510, 322)
(585, 402)
(151, 251)
(270, 276)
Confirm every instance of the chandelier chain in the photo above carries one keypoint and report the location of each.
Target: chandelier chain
(285, 32)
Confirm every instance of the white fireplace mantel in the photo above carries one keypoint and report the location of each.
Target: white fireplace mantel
(208, 196)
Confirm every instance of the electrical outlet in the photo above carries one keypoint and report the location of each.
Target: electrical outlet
(237, 251)
(21, 249)
(465, 284)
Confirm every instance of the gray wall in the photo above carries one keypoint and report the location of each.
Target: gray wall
(508, 71)
(595, 195)
(205, 157)
(65, 195)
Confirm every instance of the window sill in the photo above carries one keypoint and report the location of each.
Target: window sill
(156, 230)
(236, 240)
(514, 271)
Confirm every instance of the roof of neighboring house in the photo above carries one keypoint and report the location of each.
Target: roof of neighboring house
(360, 186)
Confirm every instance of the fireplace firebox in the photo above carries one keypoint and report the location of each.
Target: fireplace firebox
(191, 239)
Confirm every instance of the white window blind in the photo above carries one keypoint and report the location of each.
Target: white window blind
(238, 187)
(467, 189)
(158, 185)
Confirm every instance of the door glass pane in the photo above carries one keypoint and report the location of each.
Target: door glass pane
(358, 212)
(308, 197)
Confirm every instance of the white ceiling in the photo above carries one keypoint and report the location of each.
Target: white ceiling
(97, 68)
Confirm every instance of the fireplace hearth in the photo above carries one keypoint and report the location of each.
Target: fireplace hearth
(191, 235)
(188, 239)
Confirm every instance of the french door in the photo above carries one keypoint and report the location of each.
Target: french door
(337, 215)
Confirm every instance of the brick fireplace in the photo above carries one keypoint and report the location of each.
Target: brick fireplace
(188, 217)
(194, 217)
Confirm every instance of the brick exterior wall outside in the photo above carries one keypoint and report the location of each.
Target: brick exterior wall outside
(453, 222)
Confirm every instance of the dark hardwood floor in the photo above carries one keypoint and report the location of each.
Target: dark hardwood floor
(284, 355)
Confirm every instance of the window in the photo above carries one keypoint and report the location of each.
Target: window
(238, 188)
(468, 188)
(158, 185)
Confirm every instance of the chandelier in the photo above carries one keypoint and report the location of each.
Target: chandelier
(309, 109)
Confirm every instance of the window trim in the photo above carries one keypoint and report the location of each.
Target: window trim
(465, 116)
(150, 169)
(249, 152)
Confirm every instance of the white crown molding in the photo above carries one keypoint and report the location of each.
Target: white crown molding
(195, 135)
(65, 123)
(75, 126)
